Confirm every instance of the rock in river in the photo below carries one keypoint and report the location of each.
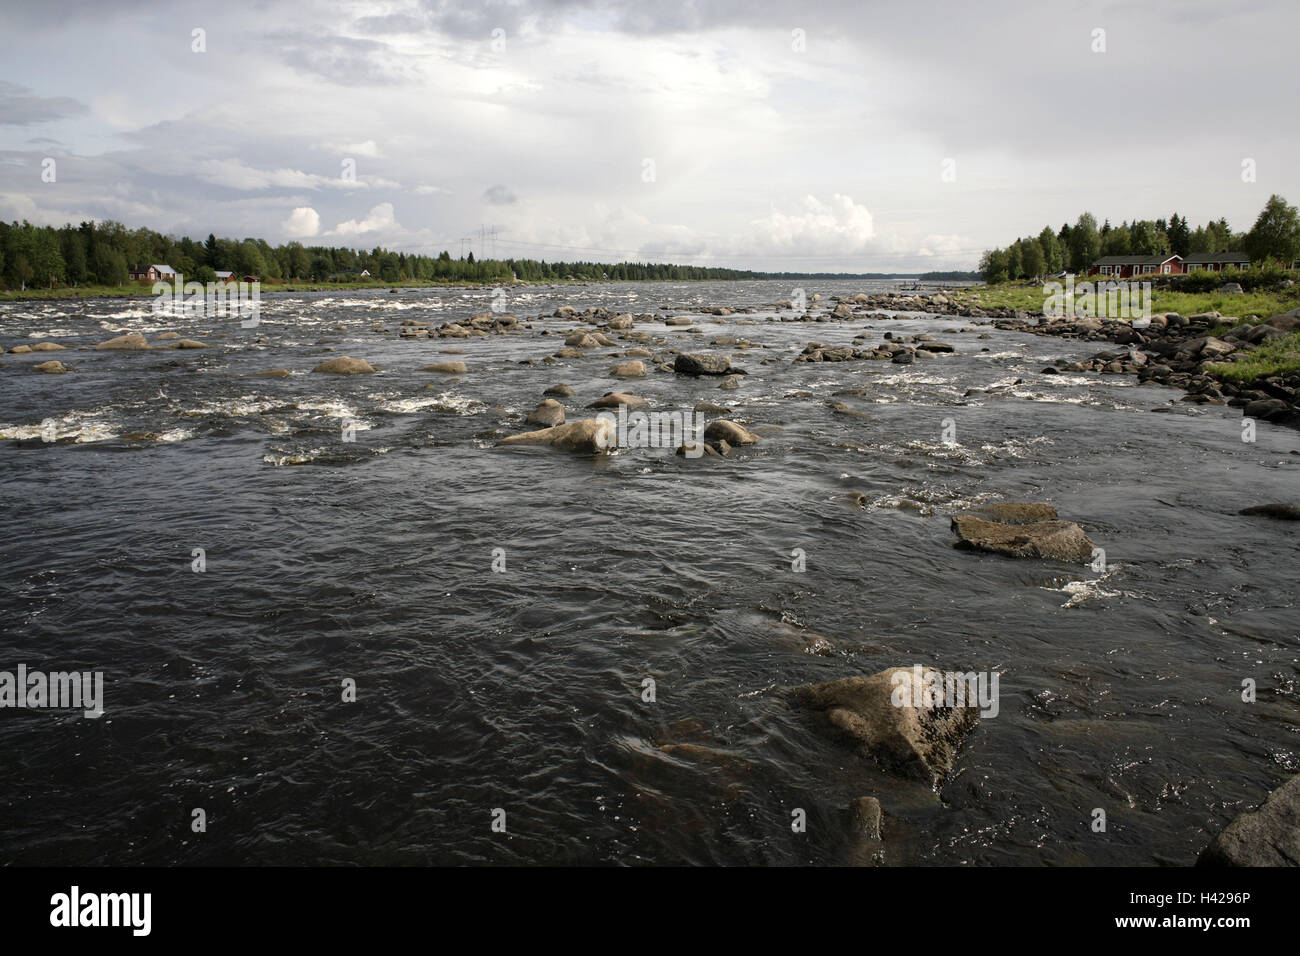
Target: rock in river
(634, 369)
(586, 436)
(345, 365)
(730, 432)
(1282, 512)
(549, 413)
(1022, 530)
(615, 399)
(1269, 836)
(452, 368)
(701, 363)
(132, 340)
(888, 715)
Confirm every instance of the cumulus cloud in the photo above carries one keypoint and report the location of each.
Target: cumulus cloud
(840, 225)
(380, 219)
(302, 222)
(237, 174)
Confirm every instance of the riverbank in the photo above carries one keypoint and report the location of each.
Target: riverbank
(1236, 349)
(143, 290)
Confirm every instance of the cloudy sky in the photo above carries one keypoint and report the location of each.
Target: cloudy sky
(808, 136)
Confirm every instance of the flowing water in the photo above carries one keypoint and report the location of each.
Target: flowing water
(372, 560)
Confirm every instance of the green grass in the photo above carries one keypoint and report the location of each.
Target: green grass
(1273, 358)
(1030, 298)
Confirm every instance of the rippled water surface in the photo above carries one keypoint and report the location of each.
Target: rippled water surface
(522, 690)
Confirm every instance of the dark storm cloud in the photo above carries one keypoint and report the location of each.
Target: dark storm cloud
(499, 195)
(18, 107)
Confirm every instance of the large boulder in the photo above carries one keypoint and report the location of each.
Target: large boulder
(451, 368)
(345, 365)
(51, 367)
(1057, 540)
(131, 340)
(701, 363)
(48, 347)
(1267, 836)
(890, 717)
(585, 436)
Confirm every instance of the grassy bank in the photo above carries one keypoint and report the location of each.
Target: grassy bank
(1273, 358)
(1030, 298)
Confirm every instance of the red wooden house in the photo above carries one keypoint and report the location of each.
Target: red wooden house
(1124, 267)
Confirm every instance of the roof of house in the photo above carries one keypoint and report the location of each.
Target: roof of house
(1135, 260)
(222, 275)
(163, 268)
(1217, 257)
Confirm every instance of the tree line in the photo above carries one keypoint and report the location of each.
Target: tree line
(1275, 237)
(101, 253)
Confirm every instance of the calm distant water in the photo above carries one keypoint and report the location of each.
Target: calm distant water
(521, 690)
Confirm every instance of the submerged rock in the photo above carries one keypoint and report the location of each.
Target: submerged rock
(1267, 836)
(1283, 512)
(867, 847)
(564, 391)
(452, 368)
(887, 715)
(585, 436)
(50, 368)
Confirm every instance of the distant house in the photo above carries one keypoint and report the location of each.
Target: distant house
(225, 277)
(152, 273)
(1215, 261)
(1123, 267)
(252, 279)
